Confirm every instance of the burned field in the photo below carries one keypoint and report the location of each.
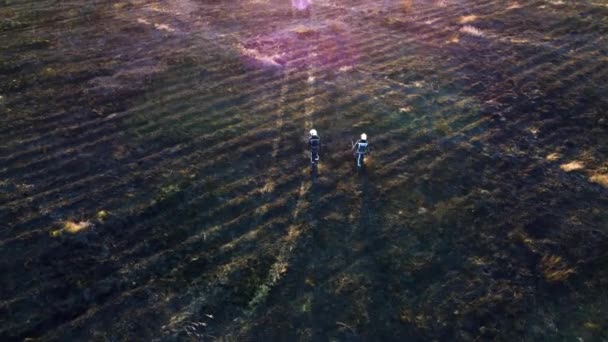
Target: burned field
(154, 181)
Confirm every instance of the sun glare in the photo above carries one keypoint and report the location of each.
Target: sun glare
(300, 4)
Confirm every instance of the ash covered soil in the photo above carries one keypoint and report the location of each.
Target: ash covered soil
(154, 183)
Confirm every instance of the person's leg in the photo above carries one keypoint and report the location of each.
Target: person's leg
(314, 157)
(359, 159)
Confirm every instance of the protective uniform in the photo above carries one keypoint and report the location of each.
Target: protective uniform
(360, 148)
(314, 145)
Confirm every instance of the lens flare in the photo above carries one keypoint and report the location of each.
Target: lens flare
(300, 4)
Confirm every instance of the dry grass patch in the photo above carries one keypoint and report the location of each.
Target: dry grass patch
(337, 26)
(406, 109)
(467, 18)
(455, 38)
(305, 32)
(71, 227)
(514, 5)
(572, 166)
(472, 31)
(519, 40)
(75, 227)
(405, 5)
(600, 179)
(555, 269)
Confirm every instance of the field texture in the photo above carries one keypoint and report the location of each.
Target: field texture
(154, 181)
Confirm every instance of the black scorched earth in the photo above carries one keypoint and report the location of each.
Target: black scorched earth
(154, 181)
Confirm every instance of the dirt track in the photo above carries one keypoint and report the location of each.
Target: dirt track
(154, 182)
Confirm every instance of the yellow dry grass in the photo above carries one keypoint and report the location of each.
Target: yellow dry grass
(514, 5)
(478, 261)
(572, 166)
(101, 215)
(406, 109)
(337, 26)
(592, 326)
(519, 40)
(71, 227)
(600, 179)
(467, 18)
(120, 5)
(303, 31)
(75, 227)
(406, 5)
(555, 269)
(453, 39)
(472, 30)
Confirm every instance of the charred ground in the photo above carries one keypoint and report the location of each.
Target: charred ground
(153, 181)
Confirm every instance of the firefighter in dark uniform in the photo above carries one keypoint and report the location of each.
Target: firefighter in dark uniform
(314, 145)
(360, 148)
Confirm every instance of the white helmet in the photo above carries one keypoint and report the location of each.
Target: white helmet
(313, 132)
(363, 136)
